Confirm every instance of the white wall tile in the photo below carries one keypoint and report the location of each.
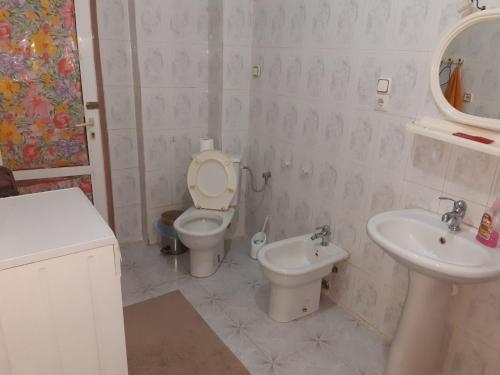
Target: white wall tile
(126, 187)
(237, 22)
(349, 15)
(156, 109)
(159, 187)
(428, 162)
(236, 68)
(112, 18)
(367, 296)
(158, 150)
(120, 107)
(412, 14)
(128, 223)
(154, 64)
(470, 175)
(116, 60)
(467, 356)
(123, 149)
(320, 23)
(150, 20)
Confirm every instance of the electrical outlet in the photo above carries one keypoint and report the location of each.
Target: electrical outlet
(256, 71)
(381, 102)
(468, 97)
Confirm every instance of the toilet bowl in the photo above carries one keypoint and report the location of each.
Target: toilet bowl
(295, 267)
(213, 181)
(202, 231)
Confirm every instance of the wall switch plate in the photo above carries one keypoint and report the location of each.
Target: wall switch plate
(384, 85)
(256, 71)
(468, 97)
(381, 102)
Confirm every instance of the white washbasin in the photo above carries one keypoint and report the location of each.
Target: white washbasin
(420, 241)
(437, 259)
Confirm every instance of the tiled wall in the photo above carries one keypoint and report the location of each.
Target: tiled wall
(185, 50)
(237, 35)
(335, 160)
(237, 38)
(215, 68)
(115, 44)
(173, 40)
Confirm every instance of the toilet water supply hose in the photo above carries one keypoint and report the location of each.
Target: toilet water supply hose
(266, 176)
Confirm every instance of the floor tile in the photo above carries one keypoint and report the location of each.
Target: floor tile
(234, 302)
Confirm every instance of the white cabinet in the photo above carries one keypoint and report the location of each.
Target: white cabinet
(60, 306)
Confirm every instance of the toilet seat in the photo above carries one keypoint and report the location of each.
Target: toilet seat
(211, 180)
(202, 223)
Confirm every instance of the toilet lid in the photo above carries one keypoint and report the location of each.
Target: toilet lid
(211, 180)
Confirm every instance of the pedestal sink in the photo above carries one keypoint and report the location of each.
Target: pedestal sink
(437, 259)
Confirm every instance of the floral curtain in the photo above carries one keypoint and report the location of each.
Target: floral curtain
(40, 87)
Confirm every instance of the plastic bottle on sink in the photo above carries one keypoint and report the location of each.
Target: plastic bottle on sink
(489, 227)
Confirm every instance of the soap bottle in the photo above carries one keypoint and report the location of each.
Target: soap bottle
(488, 230)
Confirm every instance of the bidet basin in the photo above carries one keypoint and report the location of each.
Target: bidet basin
(295, 267)
(300, 257)
(420, 241)
(437, 258)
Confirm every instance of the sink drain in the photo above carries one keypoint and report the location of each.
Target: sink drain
(442, 240)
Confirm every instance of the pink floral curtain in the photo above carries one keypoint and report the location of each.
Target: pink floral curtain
(40, 87)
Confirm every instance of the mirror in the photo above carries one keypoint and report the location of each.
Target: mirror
(465, 76)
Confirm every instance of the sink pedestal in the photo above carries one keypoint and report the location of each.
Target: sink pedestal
(416, 349)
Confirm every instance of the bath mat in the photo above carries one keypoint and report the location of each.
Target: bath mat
(166, 336)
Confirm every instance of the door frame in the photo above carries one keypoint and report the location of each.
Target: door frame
(95, 125)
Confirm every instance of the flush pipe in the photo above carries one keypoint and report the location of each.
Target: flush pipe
(266, 176)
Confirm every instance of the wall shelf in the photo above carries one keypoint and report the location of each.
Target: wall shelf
(443, 130)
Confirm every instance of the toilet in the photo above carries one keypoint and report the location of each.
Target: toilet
(213, 183)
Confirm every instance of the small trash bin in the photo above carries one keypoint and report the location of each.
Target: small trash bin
(170, 242)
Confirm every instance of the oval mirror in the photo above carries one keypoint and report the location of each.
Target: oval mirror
(465, 72)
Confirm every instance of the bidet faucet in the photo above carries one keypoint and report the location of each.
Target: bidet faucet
(324, 233)
(455, 217)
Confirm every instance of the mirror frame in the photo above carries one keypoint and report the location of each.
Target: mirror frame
(449, 111)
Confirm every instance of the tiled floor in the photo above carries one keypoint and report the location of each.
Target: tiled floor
(233, 302)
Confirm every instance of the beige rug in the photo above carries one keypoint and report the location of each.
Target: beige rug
(166, 336)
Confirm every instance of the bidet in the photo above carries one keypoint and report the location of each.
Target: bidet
(295, 267)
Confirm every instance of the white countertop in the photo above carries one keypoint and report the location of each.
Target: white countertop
(47, 225)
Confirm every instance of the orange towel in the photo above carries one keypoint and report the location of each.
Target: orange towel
(454, 89)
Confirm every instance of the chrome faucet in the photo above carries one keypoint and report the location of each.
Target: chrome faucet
(324, 233)
(455, 217)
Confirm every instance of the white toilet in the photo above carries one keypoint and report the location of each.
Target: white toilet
(213, 182)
